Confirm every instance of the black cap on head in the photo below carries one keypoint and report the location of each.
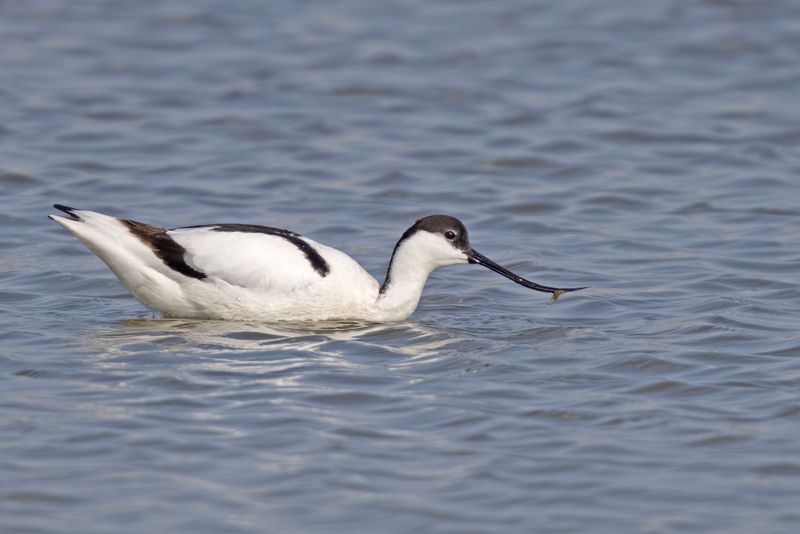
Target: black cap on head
(451, 228)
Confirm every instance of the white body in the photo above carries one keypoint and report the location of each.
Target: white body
(256, 276)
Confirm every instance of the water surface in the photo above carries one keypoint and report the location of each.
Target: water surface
(648, 150)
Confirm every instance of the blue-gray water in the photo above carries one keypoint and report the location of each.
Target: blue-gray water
(646, 149)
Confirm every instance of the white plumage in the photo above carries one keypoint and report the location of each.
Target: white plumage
(249, 272)
(261, 262)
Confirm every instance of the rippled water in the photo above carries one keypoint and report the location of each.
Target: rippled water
(646, 149)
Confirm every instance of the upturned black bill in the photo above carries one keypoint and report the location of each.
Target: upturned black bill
(480, 259)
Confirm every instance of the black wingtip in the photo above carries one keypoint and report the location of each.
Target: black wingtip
(69, 211)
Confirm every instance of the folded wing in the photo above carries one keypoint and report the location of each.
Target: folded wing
(259, 258)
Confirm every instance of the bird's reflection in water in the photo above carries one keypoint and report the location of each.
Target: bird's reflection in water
(400, 342)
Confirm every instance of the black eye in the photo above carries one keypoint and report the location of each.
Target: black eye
(450, 234)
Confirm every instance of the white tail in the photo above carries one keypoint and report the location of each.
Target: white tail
(126, 255)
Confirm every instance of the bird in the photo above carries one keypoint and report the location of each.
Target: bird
(249, 272)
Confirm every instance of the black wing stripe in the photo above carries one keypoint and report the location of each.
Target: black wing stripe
(317, 262)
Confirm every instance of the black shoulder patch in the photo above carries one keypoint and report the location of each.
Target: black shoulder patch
(170, 252)
(316, 260)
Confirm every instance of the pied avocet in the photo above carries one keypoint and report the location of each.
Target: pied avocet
(251, 272)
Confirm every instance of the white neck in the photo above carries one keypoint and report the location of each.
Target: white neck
(413, 260)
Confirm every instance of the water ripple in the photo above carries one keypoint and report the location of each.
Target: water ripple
(647, 153)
